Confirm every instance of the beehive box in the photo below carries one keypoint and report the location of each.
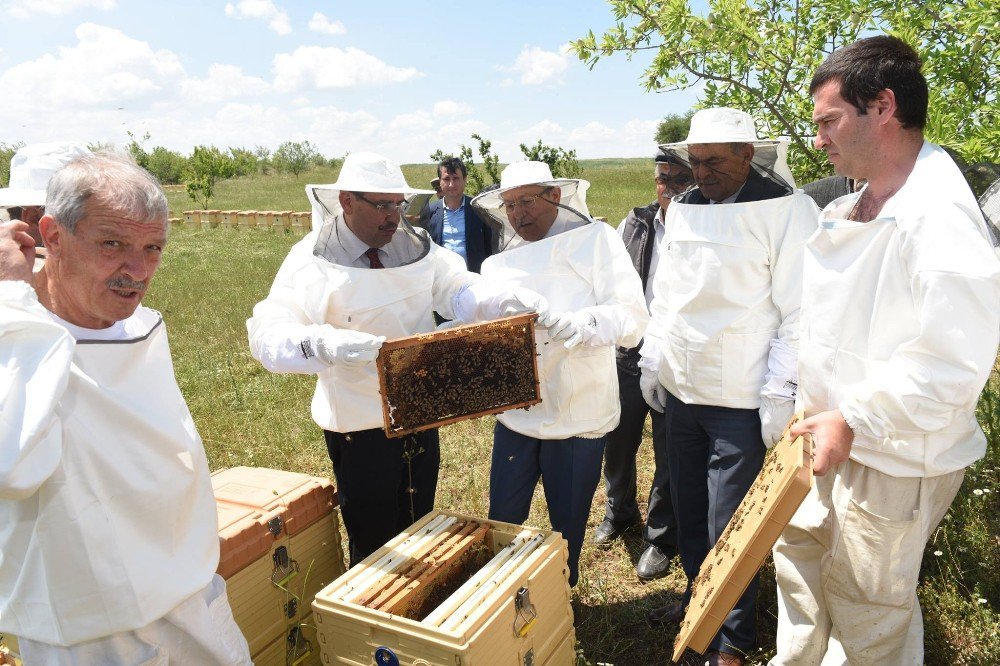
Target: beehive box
(775, 496)
(448, 607)
(9, 655)
(228, 218)
(246, 218)
(211, 218)
(459, 373)
(279, 545)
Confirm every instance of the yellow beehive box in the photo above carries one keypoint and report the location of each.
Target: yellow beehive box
(301, 221)
(228, 218)
(297, 647)
(246, 218)
(283, 219)
(279, 542)
(192, 218)
(265, 218)
(503, 601)
(176, 221)
(211, 218)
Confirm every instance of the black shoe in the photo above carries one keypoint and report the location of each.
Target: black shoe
(671, 614)
(608, 531)
(654, 563)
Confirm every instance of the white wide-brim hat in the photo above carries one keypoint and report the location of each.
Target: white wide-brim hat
(721, 125)
(519, 174)
(361, 172)
(32, 167)
(725, 125)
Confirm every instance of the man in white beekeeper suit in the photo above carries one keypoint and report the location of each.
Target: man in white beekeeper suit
(361, 276)
(719, 355)
(551, 245)
(899, 330)
(108, 532)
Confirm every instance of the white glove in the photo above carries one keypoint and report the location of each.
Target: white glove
(484, 300)
(341, 346)
(653, 392)
(775, 414)
(520, 300)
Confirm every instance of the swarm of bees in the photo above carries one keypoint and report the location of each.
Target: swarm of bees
(459, 373)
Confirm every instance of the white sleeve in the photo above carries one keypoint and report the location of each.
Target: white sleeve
(451, 280)
(281, 331)
(35, 359)
(955, 286)
(621, 305)
(785, 252)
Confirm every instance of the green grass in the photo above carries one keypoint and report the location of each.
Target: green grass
(208, 284)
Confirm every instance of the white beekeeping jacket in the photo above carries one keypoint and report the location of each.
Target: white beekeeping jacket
(107, 516)
(901, 320)
(310, 290)
(585, 267)
(726, 298)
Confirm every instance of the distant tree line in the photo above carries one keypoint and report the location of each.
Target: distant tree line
(562, 162)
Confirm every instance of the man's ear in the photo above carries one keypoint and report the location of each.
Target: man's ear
(748, 151)
(52, 234)
(346, 202)
(885, 105)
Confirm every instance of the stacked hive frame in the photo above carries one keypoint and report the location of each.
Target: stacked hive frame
(450, 590)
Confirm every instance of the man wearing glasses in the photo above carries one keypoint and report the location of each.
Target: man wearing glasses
(328, 313)
(642, 232)
(551, 244)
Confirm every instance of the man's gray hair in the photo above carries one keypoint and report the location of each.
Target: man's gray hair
(111, 179)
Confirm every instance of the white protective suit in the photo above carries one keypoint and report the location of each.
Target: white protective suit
(310, 291)
(726, 295)
(588, 269)
(900, 322)
(107, 516)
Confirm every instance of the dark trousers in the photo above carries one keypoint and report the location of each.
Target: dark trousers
(715, 456)
(570, 470)
(619, 468)
(384, 485)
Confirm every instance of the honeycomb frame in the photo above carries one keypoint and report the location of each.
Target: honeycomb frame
(455, 374)
(783, 482)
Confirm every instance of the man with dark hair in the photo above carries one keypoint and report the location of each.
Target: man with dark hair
(900, 323)
(718, 357)
(641, 231)
(452, 222)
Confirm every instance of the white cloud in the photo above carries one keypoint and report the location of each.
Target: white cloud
(542, 129)
(222, 83)
(320, 23)
(265, 10)
(23, 8)
(418, 121)
(592, 132)
(447, 108)
(536, 66)
(330, 67)
(105, 67)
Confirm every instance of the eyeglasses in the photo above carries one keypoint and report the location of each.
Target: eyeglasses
(675, 181)
(526, 203)
(383, 207)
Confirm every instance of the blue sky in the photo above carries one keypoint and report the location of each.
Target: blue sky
(399, 78)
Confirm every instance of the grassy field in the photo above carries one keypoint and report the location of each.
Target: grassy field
(208, 284)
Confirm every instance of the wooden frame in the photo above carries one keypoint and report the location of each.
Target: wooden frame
(427, 361)
(775, 496)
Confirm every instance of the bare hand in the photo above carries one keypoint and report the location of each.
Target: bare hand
(832, 439)
(17, 251)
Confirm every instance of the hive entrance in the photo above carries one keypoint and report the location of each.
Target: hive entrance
(456, 374)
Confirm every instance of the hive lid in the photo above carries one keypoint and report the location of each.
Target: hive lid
(257, 506)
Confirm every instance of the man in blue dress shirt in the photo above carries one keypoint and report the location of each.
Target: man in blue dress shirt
(452, 222)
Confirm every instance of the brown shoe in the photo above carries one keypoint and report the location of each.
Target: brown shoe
(717, 658)
(670, 614)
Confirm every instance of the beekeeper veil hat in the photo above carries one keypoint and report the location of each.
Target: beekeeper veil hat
(572, 201)
(724, 125)
(32, 167)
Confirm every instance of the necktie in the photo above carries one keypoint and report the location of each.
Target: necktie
(373, 260)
